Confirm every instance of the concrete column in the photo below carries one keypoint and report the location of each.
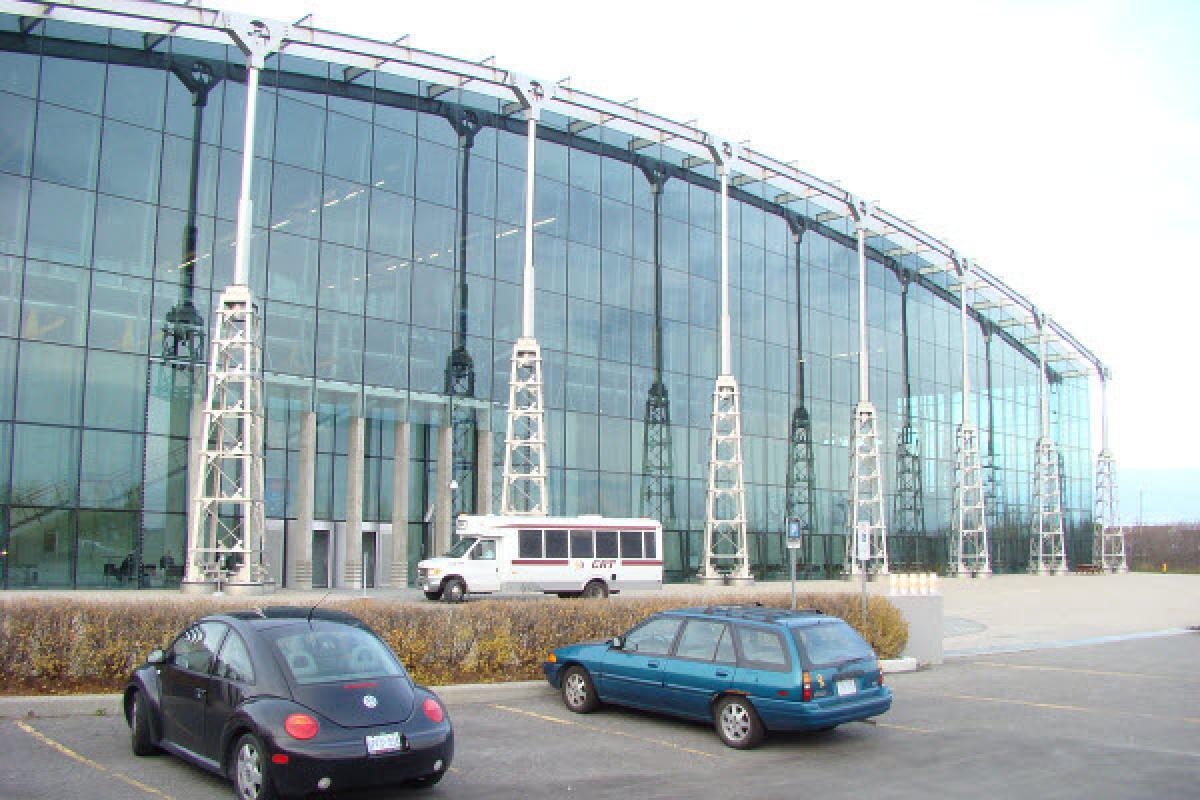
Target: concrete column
(299, 540)
(483, 471)
(355, 468)
(195, 464)
(398, 569)
(442, 508)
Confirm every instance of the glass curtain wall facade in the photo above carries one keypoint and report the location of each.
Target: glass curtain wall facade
(387, 238)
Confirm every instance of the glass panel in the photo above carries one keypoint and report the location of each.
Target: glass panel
(68, 147)
(299, 134)
(556, 544)
(296, 202)
(39, 548)
(290, 336)
(14, 204)
(343, 273)
(116, 391)
(582, 545)
(135, 94)
(391, 223)
(339, 347)
(60, 224)
(345, 216)
(77, 84)
(654, 637)
(55, 306)
(16, 135)
(10, 294)
(529, 544)
(606, 544)
(129, 164)
(393, 165)
(8, 375)
(385, 359)
(631, 544)
(111, 470)
(125, 234)
(45, 465)
(50, 384)
(699, 639)
(348, 148)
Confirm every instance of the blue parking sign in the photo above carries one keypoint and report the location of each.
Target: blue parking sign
(794, 533)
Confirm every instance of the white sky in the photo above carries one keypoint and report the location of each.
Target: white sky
(1054, 142)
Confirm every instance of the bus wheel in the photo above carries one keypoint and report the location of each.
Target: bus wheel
(434, 595)
(595, 590)
(454, 591)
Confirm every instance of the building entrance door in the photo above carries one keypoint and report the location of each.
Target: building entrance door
(320, 559)
(368, 558)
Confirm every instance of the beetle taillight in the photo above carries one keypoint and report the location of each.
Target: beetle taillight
(301, 726)
(806, 688)
(433, 710)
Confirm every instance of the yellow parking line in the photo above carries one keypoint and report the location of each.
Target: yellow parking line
(1061, 707)
(69, 753)
(1101, 672)
(612, 731)
(909, 728)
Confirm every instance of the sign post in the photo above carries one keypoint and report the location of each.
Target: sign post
(862, 550)
(794, 543)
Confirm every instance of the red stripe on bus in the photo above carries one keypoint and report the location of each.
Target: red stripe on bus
(577, 527)
(541, 562)
(625, 563)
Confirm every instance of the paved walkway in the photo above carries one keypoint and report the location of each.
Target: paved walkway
(997, 612)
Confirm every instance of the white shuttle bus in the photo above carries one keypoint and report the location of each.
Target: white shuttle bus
(588, 556)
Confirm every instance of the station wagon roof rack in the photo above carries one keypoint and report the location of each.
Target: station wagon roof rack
(760, 613)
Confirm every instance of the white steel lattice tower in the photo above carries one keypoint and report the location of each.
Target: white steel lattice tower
(227, 542)
(726, 549)
(225, 535)
(1047, 546)
(971, 554)
(866, 479)
(1108, 548)
(524, 489)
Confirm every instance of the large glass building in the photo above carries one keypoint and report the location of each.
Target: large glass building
(386, 255)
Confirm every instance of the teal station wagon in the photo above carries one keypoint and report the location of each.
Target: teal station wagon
(747, 669)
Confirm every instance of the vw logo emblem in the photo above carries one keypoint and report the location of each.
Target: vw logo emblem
(370, 701)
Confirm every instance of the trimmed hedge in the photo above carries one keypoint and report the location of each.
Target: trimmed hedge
(56, 646)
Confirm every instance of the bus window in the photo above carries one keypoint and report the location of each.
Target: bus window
(606, 544)
(631, 544)
(529, 544)
(556, 544)
(648, 536)
(581, 544)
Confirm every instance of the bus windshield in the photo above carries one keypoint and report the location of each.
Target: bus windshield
(461, 547)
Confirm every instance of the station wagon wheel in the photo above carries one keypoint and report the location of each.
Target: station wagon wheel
(737, 722)
(595, 589)
(454, 591)
(139, 726)
(251, 780)
(578, 692)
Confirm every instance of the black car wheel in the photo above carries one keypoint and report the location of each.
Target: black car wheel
(140, 735)
(595, 590)
(737, 722)
(454, 590)
(434, 595)
(251, 778)
(578, 692)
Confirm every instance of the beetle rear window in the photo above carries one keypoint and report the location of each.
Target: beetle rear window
(328, 653)
(831, 643)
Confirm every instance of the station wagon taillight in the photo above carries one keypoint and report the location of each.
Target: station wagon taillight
(806, 688)
(879, 666)
(300, 726)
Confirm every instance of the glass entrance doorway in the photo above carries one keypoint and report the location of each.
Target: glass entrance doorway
(320, 559)
(368, 558)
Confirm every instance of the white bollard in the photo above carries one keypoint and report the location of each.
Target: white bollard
(923, 583)
(893, 582)
(933, 583)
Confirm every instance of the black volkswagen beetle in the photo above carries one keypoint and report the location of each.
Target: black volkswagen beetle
(288, 701)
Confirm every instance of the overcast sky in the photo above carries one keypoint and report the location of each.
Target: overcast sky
(1054, 142)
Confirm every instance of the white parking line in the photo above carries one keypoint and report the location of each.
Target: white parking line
(69, 753)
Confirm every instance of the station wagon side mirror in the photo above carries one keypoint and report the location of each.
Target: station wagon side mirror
(156, 657)
(616, 642)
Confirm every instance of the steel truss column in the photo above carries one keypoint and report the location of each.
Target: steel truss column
(726, 548)
(995, 501)
(1047, 546)
(866, 479)
(658, 462)
(908, 504)
(1108, 546)
(524, 490)
(971, 552)
(801, 490)
(225, 541)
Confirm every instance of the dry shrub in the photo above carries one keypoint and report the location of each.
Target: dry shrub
(61, 646)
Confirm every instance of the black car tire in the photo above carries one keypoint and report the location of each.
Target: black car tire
(140, 735)
(454, 590)
(434, 595)
(578, 691)
(250, 771)
(595, 590)
(428, 782)
(737, 722)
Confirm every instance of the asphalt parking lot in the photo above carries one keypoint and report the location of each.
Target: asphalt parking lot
(1114, 720)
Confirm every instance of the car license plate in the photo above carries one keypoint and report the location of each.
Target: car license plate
(848, 686)
(385, 743)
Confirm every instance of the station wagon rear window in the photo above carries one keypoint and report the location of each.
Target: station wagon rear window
(829, 644)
